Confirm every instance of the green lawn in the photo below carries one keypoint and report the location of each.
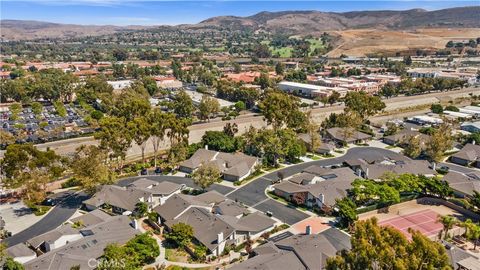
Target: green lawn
(284, 52)
(315, 43)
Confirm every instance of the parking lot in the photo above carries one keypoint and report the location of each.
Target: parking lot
(46, 125)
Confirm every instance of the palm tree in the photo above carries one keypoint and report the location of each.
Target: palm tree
(447, 222)
(472, 232)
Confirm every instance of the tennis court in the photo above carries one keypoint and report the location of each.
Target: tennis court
(424, 221)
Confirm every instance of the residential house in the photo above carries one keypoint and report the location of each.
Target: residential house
(461, 259)
(234, 167)
(469, 155)
(249, 226)
(462, 184)
(217, 221)
(122, 200)
(298, 252)
(325, 148)
(91, 218)
(160, 191)
(340, 135)
(209, 230)
(53, 239)
(89, 247)
(400, 138)
(375, 169)
(21, 253)
(316, 186)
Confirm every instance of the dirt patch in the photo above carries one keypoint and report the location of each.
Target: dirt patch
(361, 42)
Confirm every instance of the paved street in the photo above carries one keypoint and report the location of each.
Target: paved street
(253, 193)
(458, 168)
(56, 217)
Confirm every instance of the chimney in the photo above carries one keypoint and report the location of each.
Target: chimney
(473, 142)
(220, 238)
(135, 224)
(321, 197)
(308, 230)
(206, 146)
(434, 166)
(366, 173)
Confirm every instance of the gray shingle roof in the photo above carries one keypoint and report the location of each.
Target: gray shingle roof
(116, 229)
(175, 205)
(462, 183)
(236, 164)
(20, 250)
(92, 218)
(125, 198)
(305, 252)
(470, 152)
(338, 134)
(206, 226)
(230, 208)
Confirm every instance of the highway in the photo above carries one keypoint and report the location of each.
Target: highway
(67, 147)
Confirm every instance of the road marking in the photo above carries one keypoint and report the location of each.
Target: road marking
(260, 202)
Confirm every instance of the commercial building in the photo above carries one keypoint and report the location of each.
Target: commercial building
(309, 90)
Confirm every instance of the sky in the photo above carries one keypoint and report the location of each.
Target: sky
(136, 12)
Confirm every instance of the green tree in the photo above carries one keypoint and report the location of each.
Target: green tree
(220, 141)
(206, 175)
(440, 141)
(89, 168)
(6, 138)
(412, 147)
(140, 129)
(280, 109)
(452, 108)
(313, 131)
(208, 106)
(475, 199)
(364, 104)
(159, 123)
(448, 222)
(333, 98)
(230, 129)
(114, 136)
(384, 247)
(120, 54)
(141, 209)
(37, 108)
(436, 108)
(20, 160)
(10, 264)
(472, 232)
(136, 253)
(279, 68)
(347, 211)
(392, 129)
(181, 234)
(183, 105)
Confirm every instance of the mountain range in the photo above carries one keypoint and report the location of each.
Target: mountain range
(288, 22)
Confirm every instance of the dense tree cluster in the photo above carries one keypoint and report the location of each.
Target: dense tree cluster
(383, 247)
(273, 145)
(136, 253)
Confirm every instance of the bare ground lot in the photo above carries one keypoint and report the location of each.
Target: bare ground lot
(360, 42)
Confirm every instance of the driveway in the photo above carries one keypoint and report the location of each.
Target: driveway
(56, 217)
(457, 168)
